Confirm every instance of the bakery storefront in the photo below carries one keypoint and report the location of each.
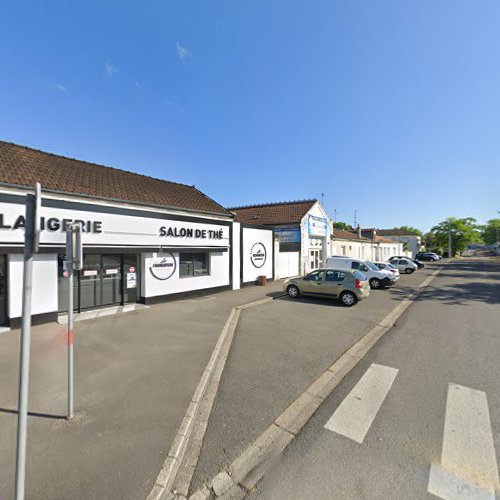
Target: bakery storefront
(130, 255)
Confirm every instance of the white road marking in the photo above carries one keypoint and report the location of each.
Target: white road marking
(356, 413)
(468, 466)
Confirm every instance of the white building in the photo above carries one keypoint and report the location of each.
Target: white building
(301, 230)
(364, 244)
(412, 240)
(144, 239)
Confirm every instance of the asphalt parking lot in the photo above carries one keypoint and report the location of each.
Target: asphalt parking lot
(278, 350)
(135, 375)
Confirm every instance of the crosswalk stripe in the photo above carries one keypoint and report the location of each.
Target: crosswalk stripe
(356, 413)
(468, 466)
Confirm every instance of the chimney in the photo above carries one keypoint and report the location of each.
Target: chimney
(359, 231)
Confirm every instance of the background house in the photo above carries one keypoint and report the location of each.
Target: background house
(412, 240)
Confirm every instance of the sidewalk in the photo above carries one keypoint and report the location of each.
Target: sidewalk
(135, 374)
(279, 349)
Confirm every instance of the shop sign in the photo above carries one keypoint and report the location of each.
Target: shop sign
(131, 280)
(317, 226)
(188, 232)
(112, 271)
(90, 272)
(53, 224)
(258, 255)
(164, 267)
(287, 235)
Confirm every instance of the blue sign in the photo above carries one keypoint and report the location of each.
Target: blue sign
(287, 234)
(317, 226)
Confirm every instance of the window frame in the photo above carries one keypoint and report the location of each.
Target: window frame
(193, 253)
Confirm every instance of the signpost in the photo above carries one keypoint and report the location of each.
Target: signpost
(31, 244)
(74, 262)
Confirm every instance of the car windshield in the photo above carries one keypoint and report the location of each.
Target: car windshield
(371, 266)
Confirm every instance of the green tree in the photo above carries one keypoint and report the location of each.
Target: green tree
(343, 225)
(410, 229)
(491, 232)
(463, 232)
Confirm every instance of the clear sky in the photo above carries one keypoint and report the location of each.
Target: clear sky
(390, 108)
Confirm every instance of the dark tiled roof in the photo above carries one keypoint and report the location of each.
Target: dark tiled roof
(395, 232)
(24, 166)
(288, 212)
(341, 234)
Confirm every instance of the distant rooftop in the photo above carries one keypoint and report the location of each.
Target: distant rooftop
(276, 213)
(24, 166)
(395, 232)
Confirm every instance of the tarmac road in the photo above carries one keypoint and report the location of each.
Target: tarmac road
(419, 417)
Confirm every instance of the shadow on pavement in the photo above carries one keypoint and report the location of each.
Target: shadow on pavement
(34, 414)
(464, 293)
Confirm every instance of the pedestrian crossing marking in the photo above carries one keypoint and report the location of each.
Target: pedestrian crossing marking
(356, 413)
(468, 467)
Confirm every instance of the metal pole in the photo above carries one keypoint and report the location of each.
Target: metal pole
(71, 333)
(24, 363)
(449, 243)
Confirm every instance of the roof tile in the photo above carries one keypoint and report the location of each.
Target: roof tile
(24, 166)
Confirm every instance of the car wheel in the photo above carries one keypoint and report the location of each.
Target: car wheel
(348, 299)
(409, 270)
(293, 291)
(375, 283)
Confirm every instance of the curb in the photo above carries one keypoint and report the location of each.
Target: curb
(175, 476)
(243, 474)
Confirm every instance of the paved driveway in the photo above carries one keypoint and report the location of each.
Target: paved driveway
(135, 375)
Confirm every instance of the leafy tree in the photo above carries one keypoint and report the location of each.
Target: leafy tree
(463, 232)
(491, 232)
(410, 229)
(343, 225)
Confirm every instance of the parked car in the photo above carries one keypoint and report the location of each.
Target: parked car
(404, 265)
(419, 264)
(429, 256)
(348, 286)
(388, 267)
(376, 277)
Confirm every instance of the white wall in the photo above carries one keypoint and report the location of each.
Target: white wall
(152, 287)
(44, 298)
(236, 256)
(252, 237)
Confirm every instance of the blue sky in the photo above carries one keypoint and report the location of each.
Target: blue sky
(390, 108)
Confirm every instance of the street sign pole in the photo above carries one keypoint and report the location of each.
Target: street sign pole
(31, 241)
(74, 259)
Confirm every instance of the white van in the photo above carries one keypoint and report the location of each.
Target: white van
(377, 278)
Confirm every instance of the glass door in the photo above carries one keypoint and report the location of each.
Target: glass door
(111, 275)
(90, 282)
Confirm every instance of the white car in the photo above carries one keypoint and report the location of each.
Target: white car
(387, 266)
(376, 277)
(404, 265)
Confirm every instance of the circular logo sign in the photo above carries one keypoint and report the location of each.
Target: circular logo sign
(258, 255)
(162, 268)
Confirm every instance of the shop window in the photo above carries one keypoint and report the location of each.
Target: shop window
(193, 264)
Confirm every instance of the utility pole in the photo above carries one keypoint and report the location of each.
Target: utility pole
(449, 243)
(31, 244)
(355, 219)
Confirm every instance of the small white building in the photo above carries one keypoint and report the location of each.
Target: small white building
(364, 244)
(301, 231)
(412, 240)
